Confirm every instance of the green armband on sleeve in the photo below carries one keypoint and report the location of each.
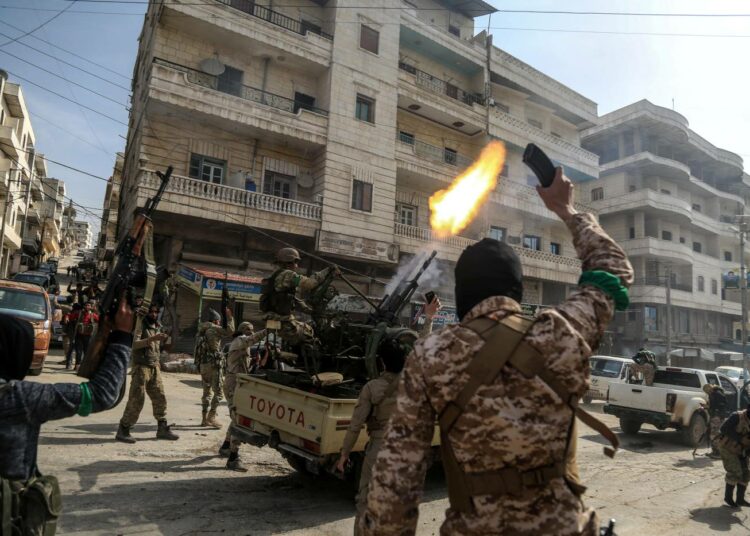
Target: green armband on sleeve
(296, 280)
(84, 408)
(609, 284)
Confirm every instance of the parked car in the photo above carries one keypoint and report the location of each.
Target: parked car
(736, 374)
(606, 370)
(47, 267)
(673, 401)
(41, 279)
(29, 302)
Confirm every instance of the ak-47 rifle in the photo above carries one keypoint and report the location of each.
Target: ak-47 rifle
(134, 267)
(224, 302)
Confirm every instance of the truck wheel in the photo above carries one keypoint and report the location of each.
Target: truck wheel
(296, 463)
(587, 399)
(695, 431)
(630, 426)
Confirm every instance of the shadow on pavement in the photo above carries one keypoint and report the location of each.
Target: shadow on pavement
(698, 462)
(109, 429)
(645, 442)
(718, 518)
(198, 384)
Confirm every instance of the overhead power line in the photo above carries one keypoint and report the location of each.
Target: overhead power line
(42, 25)
(46, 158)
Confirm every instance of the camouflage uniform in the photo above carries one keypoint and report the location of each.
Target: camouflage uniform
(211, 367)
(733, 443)
(237, 362)
(288, 281)
(146, 379)
(717, 406)
(512, 421)
(648, 370)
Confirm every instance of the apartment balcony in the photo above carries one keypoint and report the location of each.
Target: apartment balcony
(518, 132)
(415, 157)
(252, 27)
(233, 206)
(454, 107)
(31, 243)
(524, 198)
(12, 238)
(664, 249)
(33, 215)
(10, 143)
(654, 290)
(258, 112)
(536, 264)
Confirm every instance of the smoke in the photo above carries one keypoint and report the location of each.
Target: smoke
(432, 278)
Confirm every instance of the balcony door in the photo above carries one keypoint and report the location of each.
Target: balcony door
(230, 81)
(279, 185)
(207, 169)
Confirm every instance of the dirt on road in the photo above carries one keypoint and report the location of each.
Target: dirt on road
(653, 486)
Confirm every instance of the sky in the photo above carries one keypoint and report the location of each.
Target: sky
(703, 76)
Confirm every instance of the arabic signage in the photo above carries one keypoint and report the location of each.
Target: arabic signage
(243, 291)
(731, 278)
(356, 246)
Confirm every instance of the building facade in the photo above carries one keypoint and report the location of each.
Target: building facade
(53, 205)
(22, 171)
(328, 125)
(671, 199)
(84, 237)
(107, 240)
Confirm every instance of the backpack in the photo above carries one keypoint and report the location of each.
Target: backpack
(201, 351)
(266, 293)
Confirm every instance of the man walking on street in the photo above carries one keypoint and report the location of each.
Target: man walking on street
(734, 444)
(717, 411)
(146, 380)
(211, 364)
(85, 326)
(505, 390)
(237, 362)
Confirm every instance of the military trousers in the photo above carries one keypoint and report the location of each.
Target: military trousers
(371, 453)
(736, 467)
(714, 429)
(211, 379)
(145, 380)
(230, 383)
(295, 332)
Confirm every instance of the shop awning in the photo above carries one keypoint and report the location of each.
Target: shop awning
(709, 354)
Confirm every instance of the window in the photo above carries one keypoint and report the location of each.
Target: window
(497, 233)
(666, 235)
(2, 116)
(406, 137)
(502, 107)
(455, 30)
(714, 286)
(230, 81)
(406, 214)
(504, 171)
(555, 248)
(311, 27)
(597, 194)
(728, 256)
(362, 196)
(302, 101)
(651, 317)
(450, 156)
(628, 143)
(365, 109)
(631, 188)
(682, 240)
(279, 185)
(555, 134)
(632, 315)
(534, 123)
(368, 39)
(631, 233)
(207, 169)
(696, 207)
(532, 242)
(697, 247)
(665, 191)
(701, 284)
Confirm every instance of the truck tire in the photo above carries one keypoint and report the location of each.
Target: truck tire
(296, 463)
(630, 426)
(587, 400)
(695, 431)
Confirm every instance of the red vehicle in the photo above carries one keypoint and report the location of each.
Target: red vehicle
(29, 302)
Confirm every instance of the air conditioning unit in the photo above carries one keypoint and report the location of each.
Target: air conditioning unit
(305, 179)
(491, 101)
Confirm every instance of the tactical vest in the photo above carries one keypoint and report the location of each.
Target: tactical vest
(503, 344)
(280, 302)
(30, 507)
(382, 410)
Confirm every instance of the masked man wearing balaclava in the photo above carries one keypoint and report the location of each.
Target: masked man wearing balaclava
(504, 389)
(25, 406)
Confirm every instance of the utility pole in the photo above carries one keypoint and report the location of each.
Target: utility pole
(669, 315)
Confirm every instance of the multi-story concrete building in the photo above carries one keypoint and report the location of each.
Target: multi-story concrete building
(53, 204)
(107, 241)
(83, 235)
(328, 126)
(68, 243)
(21, 173)
(670, 198)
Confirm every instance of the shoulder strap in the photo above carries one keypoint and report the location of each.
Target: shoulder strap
(391, 388)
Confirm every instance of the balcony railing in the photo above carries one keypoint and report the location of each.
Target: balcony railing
(441, 87)
(276, 18)
(660, 281)
(187, 187)
(439, 155)
(216, 83)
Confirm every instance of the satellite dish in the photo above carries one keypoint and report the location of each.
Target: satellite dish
(212, 66)
(305, 180)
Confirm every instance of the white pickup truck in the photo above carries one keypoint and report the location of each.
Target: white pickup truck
(673, 401)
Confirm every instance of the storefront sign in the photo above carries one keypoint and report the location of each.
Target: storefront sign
(358, 247)
(241, 288)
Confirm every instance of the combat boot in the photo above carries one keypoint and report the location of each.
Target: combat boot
(163, 432)
(729, 496)
(224, 450)
(204, 420)
(741, 496)
(211, 420)
(123, 434)
(234, 463)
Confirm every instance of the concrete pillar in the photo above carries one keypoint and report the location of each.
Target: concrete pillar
(640, 224)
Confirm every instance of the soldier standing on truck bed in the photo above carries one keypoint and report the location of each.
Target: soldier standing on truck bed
(279, 296)
(208, 354)
(376, 403)
(505, 389)
(237, 362)
(645, 362)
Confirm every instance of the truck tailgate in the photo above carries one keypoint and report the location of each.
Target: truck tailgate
(638, 397)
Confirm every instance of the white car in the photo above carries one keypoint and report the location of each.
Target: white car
(606, 370)
(736, 374)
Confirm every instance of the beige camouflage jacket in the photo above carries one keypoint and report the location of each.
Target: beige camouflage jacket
(214, 333)
(372, 394)
(289, 279)
(512, 422)
(238, 351)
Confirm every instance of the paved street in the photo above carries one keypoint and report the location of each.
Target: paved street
(654, 486)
